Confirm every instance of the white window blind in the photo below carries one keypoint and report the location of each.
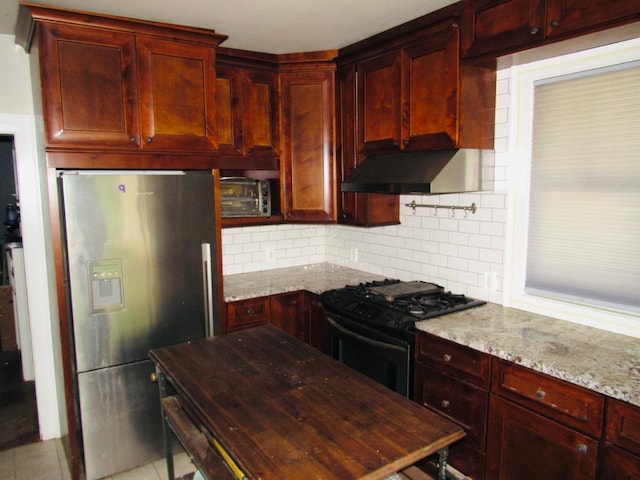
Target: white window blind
(584, 210)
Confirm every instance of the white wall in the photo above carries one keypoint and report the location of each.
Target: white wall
(15, 81)
(17, 119)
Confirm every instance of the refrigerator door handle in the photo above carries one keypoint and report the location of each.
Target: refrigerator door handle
(207, 283)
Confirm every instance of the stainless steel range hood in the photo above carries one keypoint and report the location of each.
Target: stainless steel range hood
(431, 172)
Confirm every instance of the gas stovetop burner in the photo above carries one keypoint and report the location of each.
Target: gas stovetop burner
(394, 304)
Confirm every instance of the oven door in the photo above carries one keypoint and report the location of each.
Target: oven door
(380, 356)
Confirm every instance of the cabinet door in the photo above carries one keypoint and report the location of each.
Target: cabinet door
(620, 464)
(308, 168)
(89, 87)
(317, 318)
(569, 16)
(359, 209)
(430, 93)
(492, 26)
(177, 95)
(623, 425)
(260, 116)
(229, 110)
(523, 445)
(288, 313)
(379, 104)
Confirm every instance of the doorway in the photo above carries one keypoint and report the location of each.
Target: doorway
(18, 410)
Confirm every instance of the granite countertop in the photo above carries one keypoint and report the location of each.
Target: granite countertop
(601, 361)
(315, 278)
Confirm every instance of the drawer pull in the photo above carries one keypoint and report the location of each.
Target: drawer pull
(445, 403)
(540, 394)
(581, 448)
(249, 311)
(447, 357)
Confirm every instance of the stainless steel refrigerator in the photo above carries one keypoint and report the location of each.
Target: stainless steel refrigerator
(142, 269)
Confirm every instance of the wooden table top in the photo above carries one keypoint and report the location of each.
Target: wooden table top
(284, 410)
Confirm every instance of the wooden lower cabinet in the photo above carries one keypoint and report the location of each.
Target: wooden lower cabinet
(523, 445)
(248, 313)
(317, 317)
(288, 312)
(299, 313)
(622, 447)
(453, 380)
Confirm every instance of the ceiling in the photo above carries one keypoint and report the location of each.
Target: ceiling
(271, 26)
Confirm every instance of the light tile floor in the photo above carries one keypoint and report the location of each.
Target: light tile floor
(46, 461)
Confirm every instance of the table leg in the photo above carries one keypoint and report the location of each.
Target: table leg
(166, 430)
(442, 463)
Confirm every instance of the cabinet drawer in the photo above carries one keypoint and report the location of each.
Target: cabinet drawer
(569, 404)
(248, 313)
(623, 425)
(454, 359)
(460, 401)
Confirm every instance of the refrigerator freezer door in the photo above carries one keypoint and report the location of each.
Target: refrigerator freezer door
(134, 247)
(121, 420)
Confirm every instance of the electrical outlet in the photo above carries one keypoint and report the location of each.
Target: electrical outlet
(353, 254)
(490, 281)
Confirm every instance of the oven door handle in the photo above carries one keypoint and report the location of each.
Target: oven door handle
(368, 341)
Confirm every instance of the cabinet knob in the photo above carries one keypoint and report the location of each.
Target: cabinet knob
(540, 394)
(405, 142)
(534, 30)
(153, 377)
(555, 23)
(249, 311)
(149, 139)
(581, 448)
(447, 357)
(250, 150)
(132, 139)
(445, 403)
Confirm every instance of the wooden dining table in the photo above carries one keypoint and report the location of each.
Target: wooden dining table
(261, 404)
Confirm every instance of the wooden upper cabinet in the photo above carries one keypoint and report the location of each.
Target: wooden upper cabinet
(430, 93)
(308, 160)
(380, 104)
(229, 98)
(260, 113)
(571, 16)
(89, 87)
(495, 27)
(357, 209)
(420, 98)
(108, 86)
(501, 25)
(177, 105)
(248, 116)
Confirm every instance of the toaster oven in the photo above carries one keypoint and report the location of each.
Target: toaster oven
(245, 197)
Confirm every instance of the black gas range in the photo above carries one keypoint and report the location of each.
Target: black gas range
(370, 326)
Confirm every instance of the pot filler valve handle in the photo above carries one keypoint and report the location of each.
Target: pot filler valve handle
(207, 284)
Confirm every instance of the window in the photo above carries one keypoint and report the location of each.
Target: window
(575, 236)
